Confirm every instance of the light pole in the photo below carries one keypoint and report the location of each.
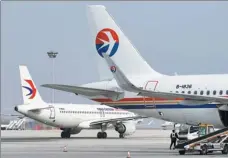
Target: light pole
(52, 55)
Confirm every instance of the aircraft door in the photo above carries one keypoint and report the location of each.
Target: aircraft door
(52, 112)
(102, 113)
(149, 102)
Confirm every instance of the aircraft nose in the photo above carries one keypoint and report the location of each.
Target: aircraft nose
(16, 108)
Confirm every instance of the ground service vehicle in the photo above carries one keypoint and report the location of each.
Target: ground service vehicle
(187, 132)
(206, 143)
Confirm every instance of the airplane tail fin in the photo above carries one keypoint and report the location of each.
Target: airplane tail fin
(109, 38)
(29, 90)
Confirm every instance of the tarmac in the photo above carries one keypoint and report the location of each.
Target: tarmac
(48, 144)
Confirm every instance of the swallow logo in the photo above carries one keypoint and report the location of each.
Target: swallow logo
(31, 89)
(107, 41)
(113, 69)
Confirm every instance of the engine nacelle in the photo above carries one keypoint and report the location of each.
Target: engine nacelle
(75, 130)
(126, 128)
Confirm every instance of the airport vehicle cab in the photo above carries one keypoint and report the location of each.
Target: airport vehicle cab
(205, 129)
(187, 132)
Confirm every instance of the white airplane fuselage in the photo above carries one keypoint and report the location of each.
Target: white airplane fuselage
(170, 109)
(72, 115)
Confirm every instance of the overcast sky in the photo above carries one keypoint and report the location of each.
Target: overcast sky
(182, 37)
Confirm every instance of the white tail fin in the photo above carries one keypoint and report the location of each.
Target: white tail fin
(108, 38)
(29, 90)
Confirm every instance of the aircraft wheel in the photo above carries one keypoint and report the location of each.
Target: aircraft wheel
(99, 135)
(63, 135)
(225, 149)
(181, 152)
(121, 135)
(67, 134)
(203, 150)
(104, 135)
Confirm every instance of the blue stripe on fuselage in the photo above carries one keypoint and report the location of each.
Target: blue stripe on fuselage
(170, 106)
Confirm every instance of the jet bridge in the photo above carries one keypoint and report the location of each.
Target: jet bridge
(194, 143)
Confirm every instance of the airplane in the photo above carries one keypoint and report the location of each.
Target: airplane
(128, 82)
(72, 118)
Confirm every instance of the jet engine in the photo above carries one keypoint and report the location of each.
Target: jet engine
(126, 128)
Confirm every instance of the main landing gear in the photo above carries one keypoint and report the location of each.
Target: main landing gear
(65, 134)
(121, 135)
(101, 135)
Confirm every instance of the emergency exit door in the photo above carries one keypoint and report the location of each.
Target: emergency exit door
(102, 113)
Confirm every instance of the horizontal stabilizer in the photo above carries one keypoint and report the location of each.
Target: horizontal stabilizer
(88, 92)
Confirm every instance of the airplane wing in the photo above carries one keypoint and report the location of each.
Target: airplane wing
(127, 85)
(86, 91)
(106, 121)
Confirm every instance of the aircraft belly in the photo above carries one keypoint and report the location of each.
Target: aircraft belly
(202, 116)
(67, 122)
(192, 116)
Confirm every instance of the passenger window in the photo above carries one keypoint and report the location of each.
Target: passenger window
(220, 92)
(201, 92)
(226, 92)
(214, 92)
(195, 92)
(189, 92)
(183, 91)
(208, 92)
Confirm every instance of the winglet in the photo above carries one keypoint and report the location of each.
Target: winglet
(121, 79)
